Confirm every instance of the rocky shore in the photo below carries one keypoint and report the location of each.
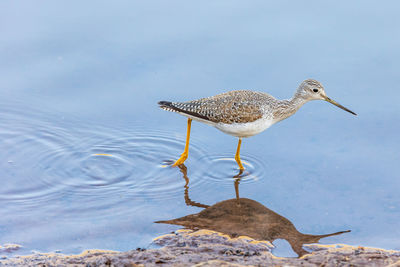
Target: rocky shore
(210, 248)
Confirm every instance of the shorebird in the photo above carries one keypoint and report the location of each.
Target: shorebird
(245, 113)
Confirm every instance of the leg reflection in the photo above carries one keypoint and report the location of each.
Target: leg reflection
(188, 201)
(237, 179)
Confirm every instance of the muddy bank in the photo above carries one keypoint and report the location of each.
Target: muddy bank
(209, 248)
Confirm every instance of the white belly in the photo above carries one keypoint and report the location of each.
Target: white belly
(245, 129)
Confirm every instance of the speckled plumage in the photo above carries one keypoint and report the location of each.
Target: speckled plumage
(230, 107)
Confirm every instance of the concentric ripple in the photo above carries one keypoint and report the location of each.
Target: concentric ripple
(222, 168)
(105, 169)
(52, 161)
(23, 149)
(146, 155)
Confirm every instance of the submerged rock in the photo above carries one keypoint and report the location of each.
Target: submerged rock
(9, 247)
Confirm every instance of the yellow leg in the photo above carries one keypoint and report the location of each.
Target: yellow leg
(237, 156)
(185, 153)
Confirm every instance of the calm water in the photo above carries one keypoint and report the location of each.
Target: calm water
(82, 79)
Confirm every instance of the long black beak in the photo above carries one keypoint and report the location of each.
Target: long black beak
(338, 105)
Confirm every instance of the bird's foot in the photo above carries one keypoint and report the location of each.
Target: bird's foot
(181, 160)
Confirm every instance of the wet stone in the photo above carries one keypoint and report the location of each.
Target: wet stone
(213, 249)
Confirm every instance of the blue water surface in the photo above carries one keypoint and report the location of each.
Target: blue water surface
(80, 81)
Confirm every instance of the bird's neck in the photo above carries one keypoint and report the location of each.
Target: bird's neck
(288, 107)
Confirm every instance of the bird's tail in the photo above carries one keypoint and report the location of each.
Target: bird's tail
(167, 105)
(184, 108)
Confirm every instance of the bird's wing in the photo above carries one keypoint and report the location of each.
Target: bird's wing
(230, 107)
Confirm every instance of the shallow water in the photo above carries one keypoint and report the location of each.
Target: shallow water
(79, 84)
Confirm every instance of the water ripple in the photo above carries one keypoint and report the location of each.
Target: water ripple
(105, 169)
(222, 168)
(53, 161)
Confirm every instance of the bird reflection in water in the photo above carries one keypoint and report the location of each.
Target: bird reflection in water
(244, 217)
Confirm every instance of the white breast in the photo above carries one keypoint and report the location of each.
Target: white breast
(245, 129)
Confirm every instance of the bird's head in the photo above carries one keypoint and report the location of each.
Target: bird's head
(313, 90)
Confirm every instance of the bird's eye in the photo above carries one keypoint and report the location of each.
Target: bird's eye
(315, 90)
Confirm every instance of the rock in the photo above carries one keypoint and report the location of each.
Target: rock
(210, 248)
